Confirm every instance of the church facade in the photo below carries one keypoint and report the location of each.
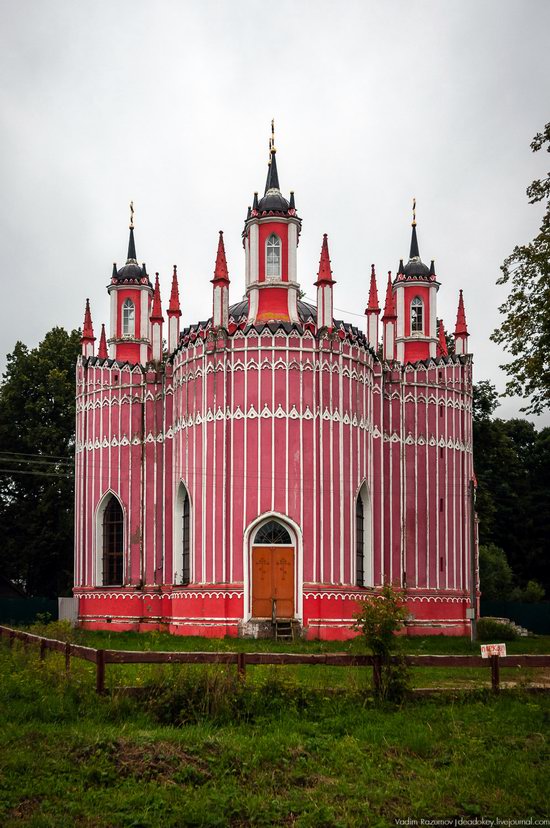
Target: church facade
(273, 463)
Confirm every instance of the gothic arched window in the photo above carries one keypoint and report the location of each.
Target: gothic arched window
(273, 256)
(113, 543)
(359, 542)
(185, 525)
(128, 318)
(417, 315)
(272, 533)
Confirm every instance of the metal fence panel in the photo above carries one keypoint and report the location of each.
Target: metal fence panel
(534, 617)
(25, 610)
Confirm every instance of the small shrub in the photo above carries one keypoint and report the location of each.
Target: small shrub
(378, 619)
(58, 630)
(488, 629)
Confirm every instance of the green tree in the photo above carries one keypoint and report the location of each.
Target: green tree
(525, 331)
(495, 574)
(37, 415)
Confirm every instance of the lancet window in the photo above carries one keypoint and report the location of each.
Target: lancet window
(359, 542)
(113, 543)
(417, 315)
(273, 256)
(128, 318)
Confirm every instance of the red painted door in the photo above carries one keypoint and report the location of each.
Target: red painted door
(273, 578)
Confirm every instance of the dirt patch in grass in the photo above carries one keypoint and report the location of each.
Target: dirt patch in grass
(160, 761)
(25, 809)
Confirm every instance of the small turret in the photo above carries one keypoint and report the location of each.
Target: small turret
(157, 321)
(461, 329)
(389, 322)
(174, 313)
(324, 285)
(102, 351)
(220, 298)
(372, 312)
(87, 339)
(442, 349)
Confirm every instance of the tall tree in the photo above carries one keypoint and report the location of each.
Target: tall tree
(525, 331)
(512, 464)
(37, 414)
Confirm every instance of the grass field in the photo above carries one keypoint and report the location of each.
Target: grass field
(278, 750)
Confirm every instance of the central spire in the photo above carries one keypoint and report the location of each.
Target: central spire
(272, 181)
(414, 252)
(131, 243)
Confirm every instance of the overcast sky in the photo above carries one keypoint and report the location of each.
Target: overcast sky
(169, 104)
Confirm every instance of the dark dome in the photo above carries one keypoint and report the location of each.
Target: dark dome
(131, 270)
(415, 267)
(273, 200)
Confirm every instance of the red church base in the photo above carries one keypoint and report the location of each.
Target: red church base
(217, 611)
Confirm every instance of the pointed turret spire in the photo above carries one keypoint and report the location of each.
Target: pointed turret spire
(389, 308)
(373, 293)
(87, 339)
(389, 321)
(174, 313)
(102, 351)
(442, 340)
(461, 328)
(324, 276)
(156, 313)
(174, 306)
(156, 323)
(324, 285)
(372, 312)
(255, 202)
(220, 298)
(221, 273)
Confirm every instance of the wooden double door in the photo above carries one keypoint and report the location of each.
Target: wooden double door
(272, 578)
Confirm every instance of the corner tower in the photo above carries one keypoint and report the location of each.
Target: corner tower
(415, 291)
(131, 293)
(270, 240)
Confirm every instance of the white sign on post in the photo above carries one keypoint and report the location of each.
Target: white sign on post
(488, 650)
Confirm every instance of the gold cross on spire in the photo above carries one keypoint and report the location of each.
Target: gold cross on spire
(272, 142)
(414, 213)
(131, 215)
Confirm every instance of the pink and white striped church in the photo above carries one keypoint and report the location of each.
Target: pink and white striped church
(273, 464)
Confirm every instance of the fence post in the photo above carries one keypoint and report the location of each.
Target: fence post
(100, 671)
(67, 657)
(241, 664)
(42, 649)
(495, 674)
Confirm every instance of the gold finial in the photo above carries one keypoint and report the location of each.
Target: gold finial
(273, 135)
(414, 213)
(131, 215)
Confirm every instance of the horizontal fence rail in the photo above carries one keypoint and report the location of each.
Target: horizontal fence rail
(241, 660)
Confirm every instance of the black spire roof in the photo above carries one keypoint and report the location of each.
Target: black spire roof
(272, 200)
(131, 270)
(415, 267)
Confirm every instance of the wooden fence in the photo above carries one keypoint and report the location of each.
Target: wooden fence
(241, 660)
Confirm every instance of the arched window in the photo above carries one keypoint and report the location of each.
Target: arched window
(273, 256)
(417, 315)
(364, 574)
(128, 318)
(185, 528)
(272, 533)
(359, 542)
(113, 543)
(182, 537)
